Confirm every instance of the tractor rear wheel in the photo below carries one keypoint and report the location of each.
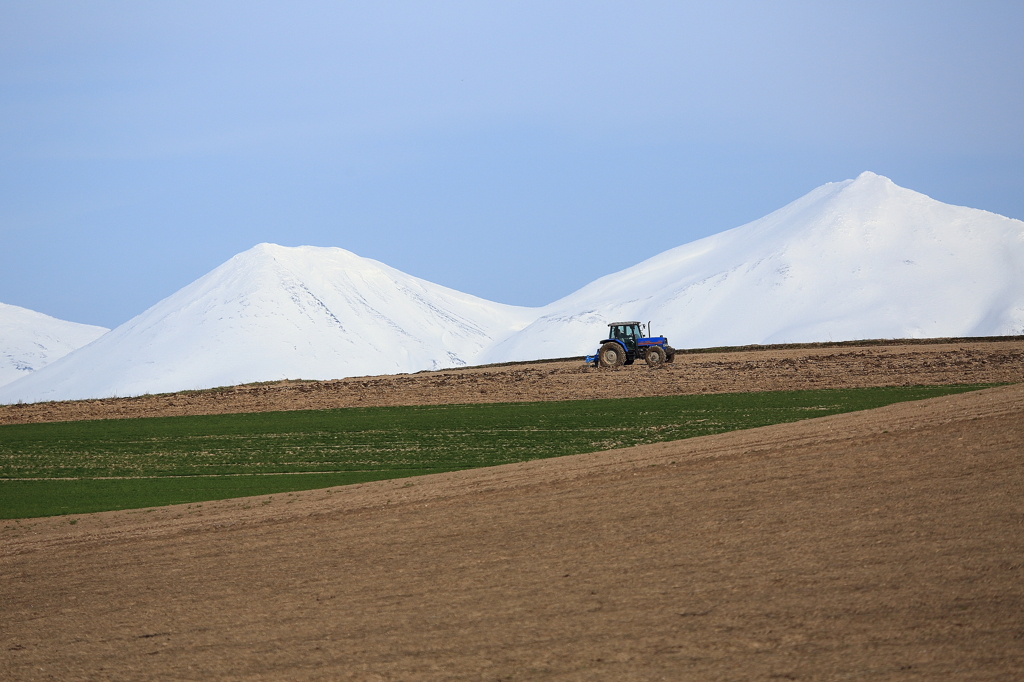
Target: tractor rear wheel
(611, 355)
(655, 356)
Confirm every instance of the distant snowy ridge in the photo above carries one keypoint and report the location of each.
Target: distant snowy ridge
(274, 312)
(29, 340)
(858, 259)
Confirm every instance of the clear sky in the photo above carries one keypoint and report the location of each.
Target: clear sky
(512, 150)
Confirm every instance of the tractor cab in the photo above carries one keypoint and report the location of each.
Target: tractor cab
(626, 332)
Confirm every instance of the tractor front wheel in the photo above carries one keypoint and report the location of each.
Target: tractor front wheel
(611, 355)
(655, 356)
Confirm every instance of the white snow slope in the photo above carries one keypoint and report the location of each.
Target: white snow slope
(274, 312)
(858, 259)
(851, 260)
(31, 340)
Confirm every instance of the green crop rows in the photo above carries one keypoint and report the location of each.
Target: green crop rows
(78, 467)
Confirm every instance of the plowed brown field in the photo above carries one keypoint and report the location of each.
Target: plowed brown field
(886, 544)
(727, 372)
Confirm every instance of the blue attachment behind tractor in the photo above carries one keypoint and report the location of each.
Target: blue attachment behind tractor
(625, 344)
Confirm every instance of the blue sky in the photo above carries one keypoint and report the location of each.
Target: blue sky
(512, 150)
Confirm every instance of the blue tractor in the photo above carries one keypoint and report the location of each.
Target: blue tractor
(626, 343)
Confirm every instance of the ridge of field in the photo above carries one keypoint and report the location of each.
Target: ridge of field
(881, 544)
(814, 366)
(89, 466)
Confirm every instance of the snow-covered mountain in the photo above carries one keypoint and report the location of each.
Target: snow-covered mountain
(857, 259)
(850, 260)
(275, 312)
(29, 340)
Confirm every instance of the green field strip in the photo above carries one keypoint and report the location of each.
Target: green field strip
(41, 497)
(78, 467)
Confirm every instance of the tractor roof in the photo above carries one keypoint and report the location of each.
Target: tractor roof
(615, 324)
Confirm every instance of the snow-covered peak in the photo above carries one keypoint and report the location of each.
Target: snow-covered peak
(862, 258)
(276, 312)
(29, 340)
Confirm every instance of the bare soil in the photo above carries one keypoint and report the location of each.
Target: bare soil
(838, 366)
(886, 545)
